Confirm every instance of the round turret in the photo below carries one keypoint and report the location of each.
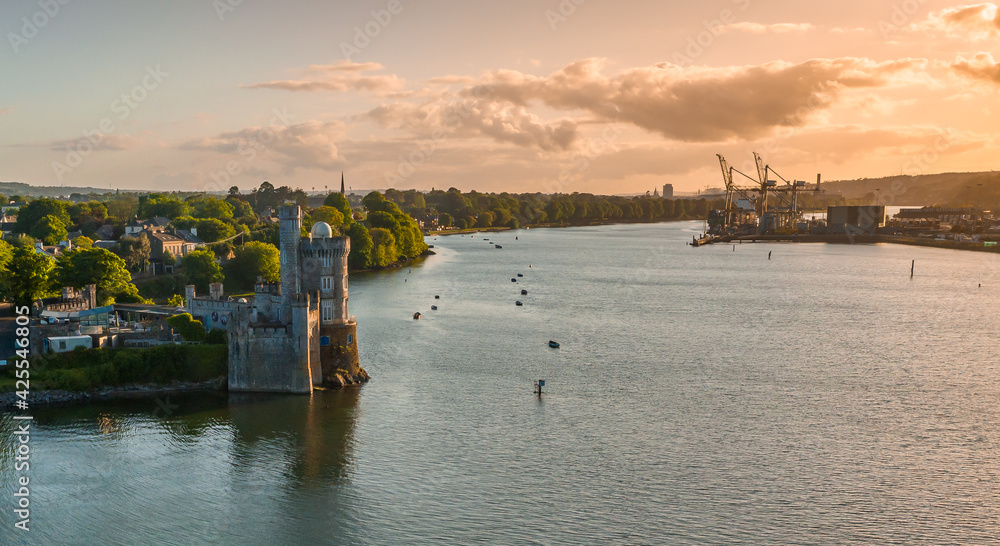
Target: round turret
(322, 230)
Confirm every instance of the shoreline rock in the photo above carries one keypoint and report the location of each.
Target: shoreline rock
(55, 397)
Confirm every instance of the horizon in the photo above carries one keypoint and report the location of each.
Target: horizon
(590, 97)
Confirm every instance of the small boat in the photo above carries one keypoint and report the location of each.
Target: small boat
(437, 297)
(497, 246)
(515, 237)
(518, 303)
(524, 292)
(553, 344)
(416, 316)
(434, 308)
(513, 280)
(520, 275)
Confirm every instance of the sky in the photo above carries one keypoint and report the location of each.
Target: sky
(520, 95)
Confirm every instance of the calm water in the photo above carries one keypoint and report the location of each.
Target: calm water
(700, 395)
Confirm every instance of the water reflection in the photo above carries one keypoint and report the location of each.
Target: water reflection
(310, 435)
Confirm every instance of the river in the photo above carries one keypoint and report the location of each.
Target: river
(699, 396)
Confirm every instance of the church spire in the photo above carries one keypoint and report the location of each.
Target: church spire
(341, 182)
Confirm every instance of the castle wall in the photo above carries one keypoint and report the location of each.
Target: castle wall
(268, 358)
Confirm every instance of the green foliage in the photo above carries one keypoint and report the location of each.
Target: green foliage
(176, 300)
(184, 222)
(340, 203)
(213, 229)
(186, 325)
(78, 268)
(254, 259)
(50, 229)
(330, 215)
(29, 215)
(485, 220)
(158, 204)
(83, 242)
(444, 219)
(168, 258)
(91, 369)
(384, 251)
(217, 336)
(162, 287)
(135, 251)
(361, 246)
(210, 207)
(26, 277)
(6, 254)
(201, 269)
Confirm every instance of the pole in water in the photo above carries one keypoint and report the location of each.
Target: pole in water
(912, 265)
(768, 254)
(538, 386)
(734, 248)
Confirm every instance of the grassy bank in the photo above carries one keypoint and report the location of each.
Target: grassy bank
(83, 370)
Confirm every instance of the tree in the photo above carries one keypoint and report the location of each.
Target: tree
(29, 215)
(168, 258)
(83, 242)
(135, 251)
(384, 252)
(26, 277)
(6, 254)
(254, 259)
(485, 220)
(157, 204)
(444, 220)
(176, 300)
(189, 328)
(201, 269)
(361, 246)
(212, 229)
(210, 207)
(340, 203)
(78, 268)
(50, 230)
(330, 215)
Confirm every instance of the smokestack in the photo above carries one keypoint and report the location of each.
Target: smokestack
(819, 176)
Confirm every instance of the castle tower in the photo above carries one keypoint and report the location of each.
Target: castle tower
(289, 235)
(342, 183)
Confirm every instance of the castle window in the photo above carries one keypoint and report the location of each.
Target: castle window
(350, 338)
(327, 283)
(327, 310)
(327, 259)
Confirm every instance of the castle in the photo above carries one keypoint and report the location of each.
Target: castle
(296, 333)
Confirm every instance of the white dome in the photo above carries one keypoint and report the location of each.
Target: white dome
(322, 230)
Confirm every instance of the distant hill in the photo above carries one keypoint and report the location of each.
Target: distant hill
(20, 188)
(978, 189)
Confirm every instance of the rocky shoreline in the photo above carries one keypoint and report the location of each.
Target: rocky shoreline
(53, 397)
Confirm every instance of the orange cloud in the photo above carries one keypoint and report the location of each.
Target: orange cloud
(342, 76)
(980, 67)
(976, 21)
(774, 28)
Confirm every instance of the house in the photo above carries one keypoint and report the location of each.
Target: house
(106, 232)
(156, 223)
(191, 239)
(12, 206)
(161, 241)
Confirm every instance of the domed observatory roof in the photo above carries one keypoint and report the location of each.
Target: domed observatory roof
(322, 230)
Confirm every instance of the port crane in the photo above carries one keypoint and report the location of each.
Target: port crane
(773, 207)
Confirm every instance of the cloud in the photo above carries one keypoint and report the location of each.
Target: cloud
(980, 67)
(696, 104)
(5, 111)
(312, 144)
(774, 28)
(975, 21)
(109, 142)
(471, 117)
(339, 77)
